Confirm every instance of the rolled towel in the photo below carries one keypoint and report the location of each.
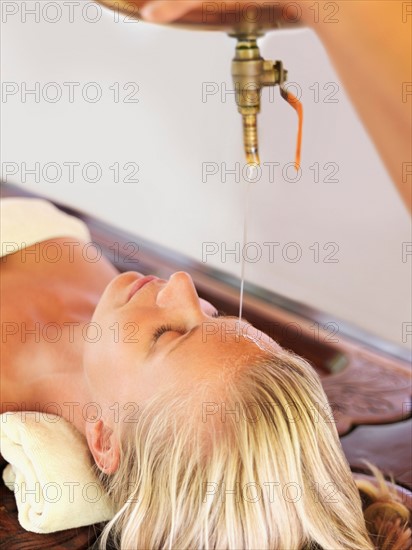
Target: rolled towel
(27, 221)
(51, 473)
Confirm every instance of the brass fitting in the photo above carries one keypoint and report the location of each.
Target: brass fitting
(250, 73)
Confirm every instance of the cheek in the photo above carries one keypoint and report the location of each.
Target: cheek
(101, 356)
(95, 364)
(111, 361)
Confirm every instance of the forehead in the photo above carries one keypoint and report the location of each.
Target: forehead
(215, 344)
(231, 331)
(206, 360)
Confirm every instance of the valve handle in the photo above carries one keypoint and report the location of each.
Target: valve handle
(297, 105)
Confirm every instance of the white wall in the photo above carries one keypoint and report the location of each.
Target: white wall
(171, 132)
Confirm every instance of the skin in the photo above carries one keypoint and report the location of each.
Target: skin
(119, 368)
(370, 45)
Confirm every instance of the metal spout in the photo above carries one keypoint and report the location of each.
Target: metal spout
(250, 73)
(250, 139)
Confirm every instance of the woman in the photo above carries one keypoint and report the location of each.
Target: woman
(207, 434)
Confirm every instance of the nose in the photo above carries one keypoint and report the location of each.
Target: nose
(180, 294)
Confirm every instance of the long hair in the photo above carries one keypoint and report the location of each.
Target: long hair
(249, 461)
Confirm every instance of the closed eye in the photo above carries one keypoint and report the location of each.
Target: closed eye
(165, 328)
(169, 328)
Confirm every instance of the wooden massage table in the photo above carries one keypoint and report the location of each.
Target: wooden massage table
(366, 379)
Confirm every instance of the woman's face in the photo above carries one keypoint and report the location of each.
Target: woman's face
(143, 339)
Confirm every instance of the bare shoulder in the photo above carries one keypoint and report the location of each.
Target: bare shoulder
(42, 288)
(67, 258)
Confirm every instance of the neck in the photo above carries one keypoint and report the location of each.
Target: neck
(63, 389)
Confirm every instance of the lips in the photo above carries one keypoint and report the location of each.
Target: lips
(139, 284)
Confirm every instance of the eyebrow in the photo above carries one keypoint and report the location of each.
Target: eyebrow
(195, 329)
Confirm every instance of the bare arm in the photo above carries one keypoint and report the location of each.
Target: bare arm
(371, 50)
(370, 46)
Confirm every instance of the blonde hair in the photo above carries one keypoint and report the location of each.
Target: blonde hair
(249, 461)
(387, 519)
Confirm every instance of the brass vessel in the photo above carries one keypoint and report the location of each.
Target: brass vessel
(250, 72)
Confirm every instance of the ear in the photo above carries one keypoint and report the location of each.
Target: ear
(103, 445)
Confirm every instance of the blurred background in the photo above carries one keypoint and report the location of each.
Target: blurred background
(136, 124)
